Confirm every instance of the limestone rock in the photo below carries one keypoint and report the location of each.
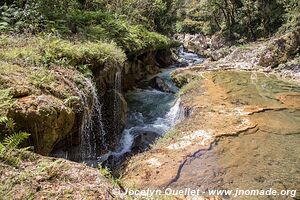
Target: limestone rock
(280, 50)
(45, 117)
(114, 115)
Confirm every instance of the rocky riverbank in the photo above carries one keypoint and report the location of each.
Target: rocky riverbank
(243, 111)
(279, 54)
(39, 177)
(51, 102)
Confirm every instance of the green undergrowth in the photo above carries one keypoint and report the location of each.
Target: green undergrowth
(10, 153)
(6, 100)
(106, 172)
(133, 39)
(54, 51)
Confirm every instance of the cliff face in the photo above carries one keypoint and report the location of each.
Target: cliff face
(41, 104)
(52, 101)
(111, 85)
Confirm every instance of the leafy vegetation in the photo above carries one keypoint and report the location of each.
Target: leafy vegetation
(90, 20)
(5, 100)
(240, 18)
(10, 143)
(108, 174)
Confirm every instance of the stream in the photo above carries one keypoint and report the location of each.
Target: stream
(151, 113)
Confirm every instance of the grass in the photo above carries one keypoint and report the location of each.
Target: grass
(108, 174)
(53, 51)
(92, 54)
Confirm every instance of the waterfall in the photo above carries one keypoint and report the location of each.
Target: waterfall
(161, 126)
(152, 113)
(91, 131)
(177, 113)
(118, 80)
(117, 92)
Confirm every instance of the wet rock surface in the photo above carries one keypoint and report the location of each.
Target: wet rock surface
(143, 140)
(43, 104)
(276, 55)
(159, 84)
(46, 118)
(243, 133)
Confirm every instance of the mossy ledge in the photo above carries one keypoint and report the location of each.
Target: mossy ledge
(40, 77)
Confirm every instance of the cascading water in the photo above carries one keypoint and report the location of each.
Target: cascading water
(152, 111)
(91, 131)
(117, 92)
(189, 58)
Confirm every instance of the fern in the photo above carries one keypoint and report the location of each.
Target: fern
(2, 149)
(14, 140)
(3, 119)
(9, 123)
(9, 145)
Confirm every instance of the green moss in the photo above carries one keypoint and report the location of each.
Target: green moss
(73, 102)
(190, 86)
(6, 100)
(78, 53)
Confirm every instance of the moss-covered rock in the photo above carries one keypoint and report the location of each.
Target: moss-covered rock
(41, 101)
(45, 117)
(183, 77)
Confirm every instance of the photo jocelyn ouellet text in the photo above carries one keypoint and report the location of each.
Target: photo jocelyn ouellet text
(213, 192)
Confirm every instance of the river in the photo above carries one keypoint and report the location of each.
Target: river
(151, 113)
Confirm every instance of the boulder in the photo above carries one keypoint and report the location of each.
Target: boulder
(159, 84)
(143, 140)
(45, 117)
(280, 50)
